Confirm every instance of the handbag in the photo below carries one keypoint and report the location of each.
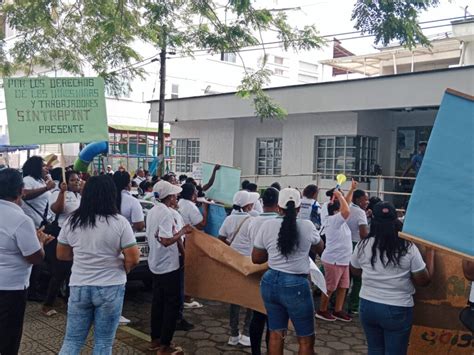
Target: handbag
(51, 228)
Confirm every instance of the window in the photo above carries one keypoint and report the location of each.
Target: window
(269, 156)
(278, 60)
(186, 153)
(308, 67)
(303, 78)
(278, 71)
(352, 155)
(174, 91)
(229, 57)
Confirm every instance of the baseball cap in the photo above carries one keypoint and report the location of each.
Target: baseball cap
(289, 194)
(384, 212)
(244, 198)
(164, 189)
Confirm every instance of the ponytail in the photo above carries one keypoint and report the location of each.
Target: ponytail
(288, 235)
(237, 208)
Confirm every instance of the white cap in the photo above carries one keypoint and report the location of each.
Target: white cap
(287, 195)
(164, 189)
(244, 198)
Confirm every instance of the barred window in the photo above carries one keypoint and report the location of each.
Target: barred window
(186, 153)
(269, 151)
(352, 155)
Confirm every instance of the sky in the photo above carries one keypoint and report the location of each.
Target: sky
(333, 17)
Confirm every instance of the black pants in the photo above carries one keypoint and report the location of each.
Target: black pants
(165, 306)
(257, 325)
(12, 312)
(60, 271)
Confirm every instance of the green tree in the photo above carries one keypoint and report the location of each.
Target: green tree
(55, 34)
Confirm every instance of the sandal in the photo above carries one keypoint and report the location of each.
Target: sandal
(170, 350)
(193, 304)
(49, 313)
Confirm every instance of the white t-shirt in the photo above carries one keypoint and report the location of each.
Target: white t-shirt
(39, 203)
(243, 242)
(390, 285)
(189, 211)
(257, 206)
(231, 223)
(71, 203)
(98, 258)
(131, 208)
(357, 218)
(306, 207)
(17, 240)
(338, 241)
(298, 261)
(138, 180)
(161, 223)
(324, 214)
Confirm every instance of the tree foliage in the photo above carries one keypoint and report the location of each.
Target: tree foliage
(391, 20)
(72, 34)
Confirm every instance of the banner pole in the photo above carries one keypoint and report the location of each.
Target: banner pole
(63, 163)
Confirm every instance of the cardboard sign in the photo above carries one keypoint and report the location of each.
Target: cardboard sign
(226, 184)
(55, 110)
(440, 213)
(436, 325)
(215, 271)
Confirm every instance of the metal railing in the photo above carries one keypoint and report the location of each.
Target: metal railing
(317, 178)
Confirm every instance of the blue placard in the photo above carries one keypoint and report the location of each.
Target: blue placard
(441, 208)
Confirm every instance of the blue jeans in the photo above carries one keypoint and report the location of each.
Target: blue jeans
(288, 296)
(89, 305)
(386, 327)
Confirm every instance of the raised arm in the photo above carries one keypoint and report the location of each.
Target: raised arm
(213, 177)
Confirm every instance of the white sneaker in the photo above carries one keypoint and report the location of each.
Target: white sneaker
(234, 340)
(193, 304)
(244, 340)
(123, 320)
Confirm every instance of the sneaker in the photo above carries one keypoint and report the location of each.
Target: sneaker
(123, 320)
(326, 315)
(342, 316)
(244, 340)
(184, 325)
(233, 341)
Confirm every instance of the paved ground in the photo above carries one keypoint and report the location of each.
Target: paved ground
(209, 337)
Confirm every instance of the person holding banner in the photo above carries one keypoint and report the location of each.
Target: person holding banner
(243, 243)
(285, 243)
(64, 202)
(230, 229)
(390, 267)
(36, 193)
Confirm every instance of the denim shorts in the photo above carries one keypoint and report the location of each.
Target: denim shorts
(288, 297)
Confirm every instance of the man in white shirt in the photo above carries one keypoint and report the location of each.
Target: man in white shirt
(140, 176)
(358, 225)
(165, 244)
(20, 247)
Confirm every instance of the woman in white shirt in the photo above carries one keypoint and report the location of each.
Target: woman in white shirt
(310, 208)
(38, 185)
(285, 243)
(242, 204)
(101, 244)
(336, 257)
(187, 207)
(390, 267)
(128, 205)
(63, 202)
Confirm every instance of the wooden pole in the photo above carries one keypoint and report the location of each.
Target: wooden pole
(63, 163)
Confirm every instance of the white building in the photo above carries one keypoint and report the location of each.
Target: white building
(343, 126)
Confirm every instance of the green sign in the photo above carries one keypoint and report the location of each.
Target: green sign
(55, 110)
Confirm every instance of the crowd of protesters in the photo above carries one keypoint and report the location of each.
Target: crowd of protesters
(86, 230)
